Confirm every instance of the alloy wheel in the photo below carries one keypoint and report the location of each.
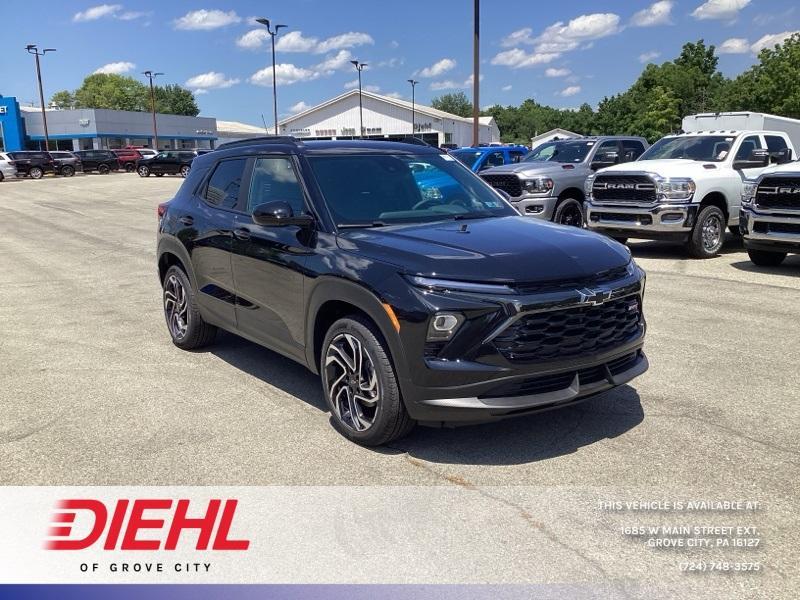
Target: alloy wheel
(712, 233)
(184, 171)
(571, 215)
(36, 173)
(176, 307)
(144, 172)
(352, 382)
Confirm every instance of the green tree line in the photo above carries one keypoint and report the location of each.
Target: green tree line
(662, 95)
(119, 92)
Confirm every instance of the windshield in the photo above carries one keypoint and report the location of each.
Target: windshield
(561, 152)
(712, 148)
(382, 189)
(468, 157)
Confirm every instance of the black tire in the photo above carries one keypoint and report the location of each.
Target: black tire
(621, 240)
(185, 171)
(158, 174)
(36, 173)
(103, 169)
(144, 171)
(708, 233)
(130, 167)
(2, 176)
(67, 171)
(197, 332)
(735, 232)
(569, 212)
(390, 420)
(765, 258)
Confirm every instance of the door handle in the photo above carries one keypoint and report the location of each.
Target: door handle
(241, 233)
(186, 220)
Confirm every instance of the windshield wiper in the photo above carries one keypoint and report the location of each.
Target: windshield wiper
(474, 215)
(360, 225)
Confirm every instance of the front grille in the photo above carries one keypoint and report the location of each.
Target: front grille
(510, 184)
(624, 188)
(769, 227)
(602, 278)
(559, 334)
(779, 192)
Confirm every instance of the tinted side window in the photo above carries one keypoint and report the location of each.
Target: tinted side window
(516, 156)
(495, 159)
(223, 187)
(631, 150)
(274, 179)
(775, 143)
(750, 143)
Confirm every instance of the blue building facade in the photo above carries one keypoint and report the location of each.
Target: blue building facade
(12, 125)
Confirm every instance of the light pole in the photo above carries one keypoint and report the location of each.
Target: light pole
(476, 80)
(32, 49)
(359, 67)
(150, 75)
(272, 34)
(413, 125)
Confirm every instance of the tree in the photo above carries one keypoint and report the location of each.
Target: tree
(63, 99)
(661, 115)
(456, 103)
(175, 100)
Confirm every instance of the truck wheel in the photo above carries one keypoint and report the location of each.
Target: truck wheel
(708, 234)
(36, 173)
(103, 169)
(360, 384)
(764, 258)
(569, 212)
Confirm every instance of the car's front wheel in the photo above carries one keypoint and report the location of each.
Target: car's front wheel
(185, 171)
(569, 212)
(186, 326)
(143, 171)
(103, 169)
(360, 384)
(764, 258)
(708, 234)
(36, 173)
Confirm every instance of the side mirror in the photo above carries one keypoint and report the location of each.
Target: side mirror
(781, 156)
(278, 214)
(758, 158)
(604, 159)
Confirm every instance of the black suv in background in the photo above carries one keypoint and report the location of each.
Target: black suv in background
(66, 163)
(168, 162)
(102, 161)
(33, 163)
(410, 285)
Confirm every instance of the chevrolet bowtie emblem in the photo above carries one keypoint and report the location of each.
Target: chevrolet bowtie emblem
(594, 297)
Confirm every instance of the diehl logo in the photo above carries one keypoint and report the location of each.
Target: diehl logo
(123, 534)
(594, 297)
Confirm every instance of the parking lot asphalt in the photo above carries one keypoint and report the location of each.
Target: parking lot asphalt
(92, 391)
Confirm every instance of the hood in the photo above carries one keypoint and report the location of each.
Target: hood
(669, 167)
(531, 168)
(500, 249)
(790, 168)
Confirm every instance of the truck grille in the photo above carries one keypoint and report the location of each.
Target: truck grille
(571, 332)
(779, 192)
(624, 188)
(508, 183)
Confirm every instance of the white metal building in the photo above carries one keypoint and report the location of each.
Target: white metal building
(385, 117)
(231, 131)
(553, 134)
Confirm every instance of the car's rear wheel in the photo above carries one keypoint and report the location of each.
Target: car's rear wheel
(143, 171)
(360, 384)
(103, 169)
(764, 258)
(186, 326)
(36, 173)
(130, 167)
(569, 212)
(67, 171)
(708, 234)
(185, 171)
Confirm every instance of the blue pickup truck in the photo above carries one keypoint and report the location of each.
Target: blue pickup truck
(486, 157)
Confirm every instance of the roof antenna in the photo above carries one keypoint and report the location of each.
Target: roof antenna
(263, 120)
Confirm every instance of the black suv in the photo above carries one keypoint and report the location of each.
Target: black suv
(411, 286)
(66, 163)
(168, 162)
(102, 161)
(33, 163)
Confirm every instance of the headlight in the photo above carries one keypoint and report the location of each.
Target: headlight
(538, 185)
(450, 285)
(587, 185)
(677, 189)
(749, 191)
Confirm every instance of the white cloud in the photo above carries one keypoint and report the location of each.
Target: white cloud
(299, 107)
(394, 44)
(506, 88)
(517, 58)
(769, 41)
(210, 81)
(395, 95)
(551, 72)
(437, 68)
(392, 63)
(450, 84)
(344, 40)
(734, 46)
(132, 15)
(724, 10)
(521, 36)
(97, 12)
(335, 62)
(563, 38)
(657, 13)
(116, 68)
(646, 57)
(570, 91)
(207, 19)
(295, 41)
(253, 39)
(285, 74)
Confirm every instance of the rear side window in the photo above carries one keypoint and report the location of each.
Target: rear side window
(223, 187)
(775, 143)
(631, 150)
(516, 156)
(274, 179)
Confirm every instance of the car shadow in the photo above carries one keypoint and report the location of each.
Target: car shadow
(512, 441)
(672, 250)
(789, 268)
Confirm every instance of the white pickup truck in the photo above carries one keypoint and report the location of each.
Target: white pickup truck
(686, 187)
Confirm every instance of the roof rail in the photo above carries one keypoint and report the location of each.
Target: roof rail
(264, 139)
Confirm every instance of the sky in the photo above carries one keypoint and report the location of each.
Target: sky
(559, 53)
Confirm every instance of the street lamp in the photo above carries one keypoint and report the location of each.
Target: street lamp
(32, 49)
(476, 79)
(150, 75)
(413, 126)
(359, 67)
(265, 23)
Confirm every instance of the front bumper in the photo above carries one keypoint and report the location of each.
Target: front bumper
(648, 221)
(541, 207)
(770, 230)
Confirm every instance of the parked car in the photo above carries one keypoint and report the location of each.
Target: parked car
(486, 157)
(770, 215)
(169, 162)
(67, 163)
(548, 183)
(437, 308)
(127, 158)
(8, 169)
(685, 188)
(146, 152)
(102, 161)
(32, 163)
